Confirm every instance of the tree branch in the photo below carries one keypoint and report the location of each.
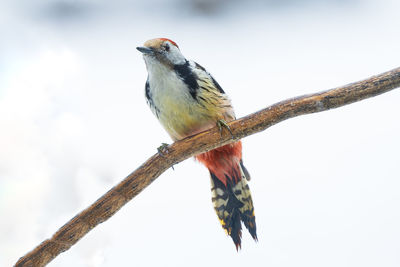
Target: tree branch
(135, 182)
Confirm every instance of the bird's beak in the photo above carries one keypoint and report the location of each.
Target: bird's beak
(145, 50)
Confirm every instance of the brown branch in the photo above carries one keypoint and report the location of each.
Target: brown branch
(132, 185)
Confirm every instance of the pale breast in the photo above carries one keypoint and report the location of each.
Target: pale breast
(185, 98)
(179, 113)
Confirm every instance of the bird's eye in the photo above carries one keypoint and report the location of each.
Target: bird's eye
(166, 47)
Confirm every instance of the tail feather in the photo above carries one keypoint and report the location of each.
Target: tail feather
(233, 204)
(230, 193)
(245, 172)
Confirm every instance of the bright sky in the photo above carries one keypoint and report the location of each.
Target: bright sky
(74, 122)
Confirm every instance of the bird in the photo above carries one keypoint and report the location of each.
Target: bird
(186, 99)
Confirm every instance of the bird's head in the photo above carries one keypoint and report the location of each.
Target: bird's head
(161, 50)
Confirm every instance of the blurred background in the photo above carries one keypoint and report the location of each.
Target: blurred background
(74, 122)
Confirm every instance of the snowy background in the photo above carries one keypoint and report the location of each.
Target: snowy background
(74, 122)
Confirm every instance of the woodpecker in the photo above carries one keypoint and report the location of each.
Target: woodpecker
(187, 100)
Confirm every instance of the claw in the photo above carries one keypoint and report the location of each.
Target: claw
(222, 123)
(163, 149)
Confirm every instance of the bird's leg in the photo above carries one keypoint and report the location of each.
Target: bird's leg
(163, 149)
(222, 123)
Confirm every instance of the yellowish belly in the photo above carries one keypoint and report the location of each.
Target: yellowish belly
(184, 119)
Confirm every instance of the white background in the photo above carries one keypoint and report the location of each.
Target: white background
(74, 122)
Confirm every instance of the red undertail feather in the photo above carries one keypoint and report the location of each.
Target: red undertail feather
(230, 193)
(223, 162)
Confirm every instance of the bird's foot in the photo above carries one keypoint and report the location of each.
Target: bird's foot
(222, 123)
(163, 149)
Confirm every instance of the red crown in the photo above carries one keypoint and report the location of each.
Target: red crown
(172, 42)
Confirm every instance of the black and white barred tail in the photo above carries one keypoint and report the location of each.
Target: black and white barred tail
(233, 204)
